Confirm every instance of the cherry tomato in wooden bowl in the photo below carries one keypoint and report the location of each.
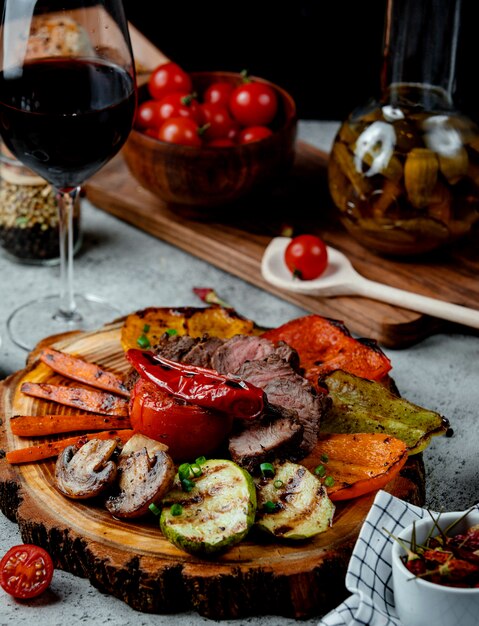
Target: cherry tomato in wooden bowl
(254, 133)
(201, 179)
(254, 103)
(219, 93)
(188, 430)
(306, 257)
(181, 131)
(168, 78)
(26, 571)
(179, 104)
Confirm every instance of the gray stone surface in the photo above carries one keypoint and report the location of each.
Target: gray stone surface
(133, 270)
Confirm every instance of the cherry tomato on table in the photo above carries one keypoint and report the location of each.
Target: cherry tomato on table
(254, 133)
(219, 93)
(254, 104)
(26, 571)
(168, 78)
(306, 257)
(180, 130)
(188, 430)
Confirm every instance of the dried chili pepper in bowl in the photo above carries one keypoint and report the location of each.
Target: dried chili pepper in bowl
(435, 570)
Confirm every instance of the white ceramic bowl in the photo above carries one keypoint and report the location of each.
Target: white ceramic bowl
(422, 603)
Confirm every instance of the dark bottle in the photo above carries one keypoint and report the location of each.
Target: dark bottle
(404, 169)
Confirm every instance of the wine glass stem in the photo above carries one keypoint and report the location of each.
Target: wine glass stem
(66, 200)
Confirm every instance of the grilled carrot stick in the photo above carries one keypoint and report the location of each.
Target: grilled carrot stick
(78, 397)
(43, 425)
(53, 448)
(83, 371)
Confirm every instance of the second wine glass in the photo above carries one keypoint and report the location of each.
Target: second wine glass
(67, 103)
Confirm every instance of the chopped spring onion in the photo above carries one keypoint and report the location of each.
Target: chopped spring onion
(171, 332)
(154, 509)
(270, 507)
(324, 458)
(143, 341)
(195, 469)
(184, 471)
(329, 481)
(278, 484)
(187, 484)
(146, 328)
(267, 469)
(320, 470)
(176, 509)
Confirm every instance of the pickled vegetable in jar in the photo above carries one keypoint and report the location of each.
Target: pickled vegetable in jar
(29, 227)
(404, 169)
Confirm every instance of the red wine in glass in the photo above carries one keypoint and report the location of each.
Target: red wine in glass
(66, 117)
(67, 103)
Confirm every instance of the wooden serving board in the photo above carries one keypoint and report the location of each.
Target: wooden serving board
(234, 240)
(134, 562)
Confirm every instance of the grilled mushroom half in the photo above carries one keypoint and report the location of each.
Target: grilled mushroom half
(145, 474)
(85, 472)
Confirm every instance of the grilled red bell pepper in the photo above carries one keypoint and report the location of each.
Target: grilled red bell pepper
(199, 386)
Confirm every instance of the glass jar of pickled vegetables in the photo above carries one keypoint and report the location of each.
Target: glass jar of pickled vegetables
(404, 169)
(29, 227)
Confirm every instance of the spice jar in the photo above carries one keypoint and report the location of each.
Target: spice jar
(29, 231)
(404, 169)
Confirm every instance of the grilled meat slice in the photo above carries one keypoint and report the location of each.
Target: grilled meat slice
(174, 347)
(272, 437)
(201, 353)
(234, 352)
(286, 388)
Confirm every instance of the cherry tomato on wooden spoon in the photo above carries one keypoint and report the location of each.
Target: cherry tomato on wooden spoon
(168, 78)
(26, 571)
(306, 257)
(253, 103)
(180, 130)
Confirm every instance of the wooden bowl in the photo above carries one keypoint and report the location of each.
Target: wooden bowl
(210, 177)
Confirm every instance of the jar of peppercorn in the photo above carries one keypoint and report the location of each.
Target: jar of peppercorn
(29, 228)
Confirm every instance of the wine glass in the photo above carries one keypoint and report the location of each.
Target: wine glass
(67, 103)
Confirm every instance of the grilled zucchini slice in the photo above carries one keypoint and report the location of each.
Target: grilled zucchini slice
(293, 504)
(216, 514)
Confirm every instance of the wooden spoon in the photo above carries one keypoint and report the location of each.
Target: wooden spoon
(341, 279)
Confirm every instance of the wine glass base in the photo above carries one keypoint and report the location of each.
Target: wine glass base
(37, 319)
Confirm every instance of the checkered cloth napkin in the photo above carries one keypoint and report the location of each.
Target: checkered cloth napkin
(369, 575)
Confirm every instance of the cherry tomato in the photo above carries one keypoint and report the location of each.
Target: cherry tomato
(188, 430)
(26, 571)
(254, 133)
(168, 78)
(218, 93)
(148, 115)
(180, 130)
(221, 124)
(306, 257)
(254, 104)
(222, 143)
(179, 104)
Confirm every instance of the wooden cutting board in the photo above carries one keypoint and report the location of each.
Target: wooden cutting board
(134, 562)
(234, 239)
